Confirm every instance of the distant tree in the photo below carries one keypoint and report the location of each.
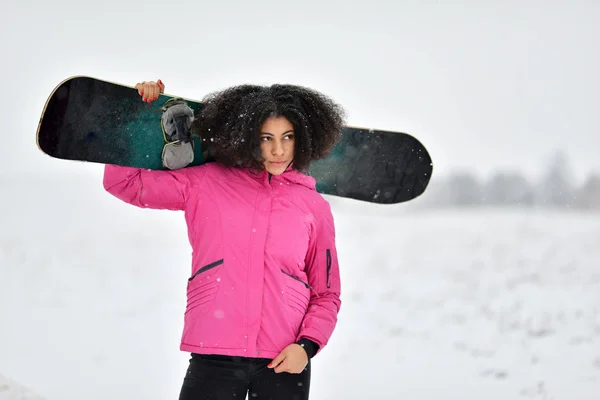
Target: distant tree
(509, 188)
(556, 188)
(464, 189)
(589, 194)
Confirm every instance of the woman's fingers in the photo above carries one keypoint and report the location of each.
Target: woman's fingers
(150, 93)
(150, 90)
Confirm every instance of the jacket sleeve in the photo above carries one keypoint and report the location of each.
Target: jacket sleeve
(159, 189)
(324, 277)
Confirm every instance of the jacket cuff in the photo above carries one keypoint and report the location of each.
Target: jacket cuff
(309, 346)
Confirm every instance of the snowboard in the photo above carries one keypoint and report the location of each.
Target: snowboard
(92, 120)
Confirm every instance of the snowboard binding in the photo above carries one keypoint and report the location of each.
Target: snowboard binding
(176, 123)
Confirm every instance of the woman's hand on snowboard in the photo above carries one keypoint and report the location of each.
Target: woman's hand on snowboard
(150, 90)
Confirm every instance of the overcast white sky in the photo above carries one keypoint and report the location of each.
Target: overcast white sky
(484, 84)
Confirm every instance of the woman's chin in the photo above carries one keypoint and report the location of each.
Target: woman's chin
(276, 169)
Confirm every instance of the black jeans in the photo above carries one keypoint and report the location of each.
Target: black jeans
(216, 377)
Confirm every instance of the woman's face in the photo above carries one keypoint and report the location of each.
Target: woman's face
(277, 144)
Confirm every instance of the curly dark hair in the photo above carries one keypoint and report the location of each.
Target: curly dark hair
(230, 120)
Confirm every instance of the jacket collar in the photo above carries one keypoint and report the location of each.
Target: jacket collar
(290, 175)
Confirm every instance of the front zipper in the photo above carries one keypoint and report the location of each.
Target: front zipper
(298, 279)
(206, 268)
(328, 268)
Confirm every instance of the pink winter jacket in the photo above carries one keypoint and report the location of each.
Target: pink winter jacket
(264, 262)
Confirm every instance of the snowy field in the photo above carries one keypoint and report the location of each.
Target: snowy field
(485, 304)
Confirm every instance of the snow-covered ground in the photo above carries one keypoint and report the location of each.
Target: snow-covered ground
(471, 304)
(11, 390)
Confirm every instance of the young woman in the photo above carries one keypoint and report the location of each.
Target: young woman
(263, 294)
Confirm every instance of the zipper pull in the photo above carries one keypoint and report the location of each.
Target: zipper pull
(328, 268)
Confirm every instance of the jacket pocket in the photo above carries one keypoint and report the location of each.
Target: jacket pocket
(205, 268)
(298, 279)
(297, 298)
(202, 292)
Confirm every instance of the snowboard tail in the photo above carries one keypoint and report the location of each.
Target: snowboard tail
(95, 121)
(91, 120)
